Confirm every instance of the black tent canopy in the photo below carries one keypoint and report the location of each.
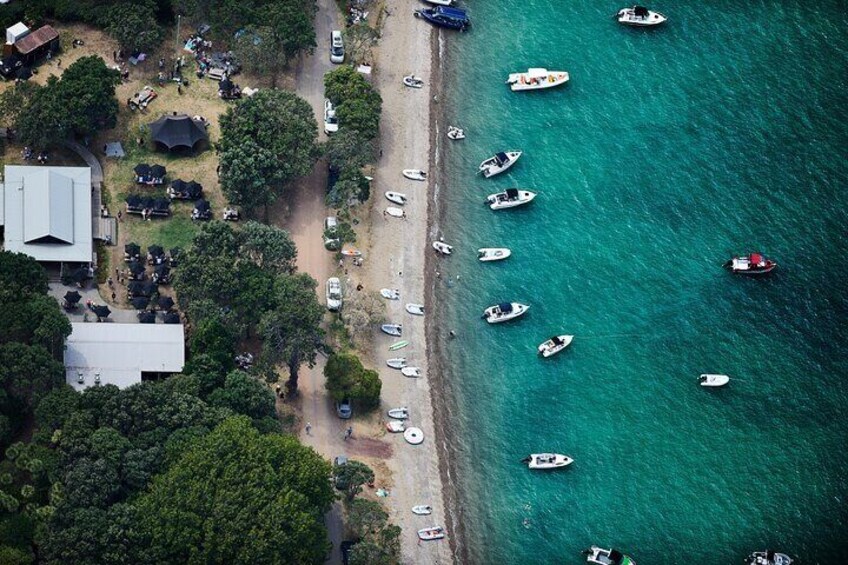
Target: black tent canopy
(72, 297)
(176, 131)
(101, 311)
(166, 302)
(140, 302)
(147, 317)
(172, 318)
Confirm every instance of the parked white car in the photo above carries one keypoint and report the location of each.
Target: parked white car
(331, 122)
(337, 52)
(334, 294)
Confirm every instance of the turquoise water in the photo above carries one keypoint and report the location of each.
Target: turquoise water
(724, 132)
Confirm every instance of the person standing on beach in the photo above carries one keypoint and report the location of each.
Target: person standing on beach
(308, 428)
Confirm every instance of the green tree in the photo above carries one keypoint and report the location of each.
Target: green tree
(358, 105)
(268, 140)
(347, 378)
(268, 247)
(352, 186)
(353, 475)
(133, 25)
(244, 395)
(239, 497)
(359, 40)
(291, 332)
(362, 312)
(345, 150)
(366, 517)
(213, 338)
(13, 101)
(20, 274)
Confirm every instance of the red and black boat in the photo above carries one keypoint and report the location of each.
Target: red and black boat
(753, 264)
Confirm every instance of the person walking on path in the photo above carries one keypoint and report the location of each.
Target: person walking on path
(348, 433)
(308, 428)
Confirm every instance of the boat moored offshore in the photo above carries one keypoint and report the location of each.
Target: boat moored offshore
(510, 198)
(504, 312)
(768, 557)
(543, 461)
(555, 345)
(446, 17)
(639, 16)
(536, 79)
(601, 556)
(498, 163)
(753, 264)
(493, 253)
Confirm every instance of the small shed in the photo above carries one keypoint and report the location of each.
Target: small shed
(38, 44)
(16, 32)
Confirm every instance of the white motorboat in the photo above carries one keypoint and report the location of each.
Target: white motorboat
(415, 174)
(768, 557)
(547, 461)
(413, 81)
(401, 413)
(442, 247)
(504, 312)
(493, 253)
(440, 2)
(427, 534)
(713, 380)
(412, 372)
(395, 212)
(390, 293)
(415, 309)
(392, 329)
(396, 197)
(499, 163)
(422, 510)
(510, 198)
(639, 16)
(555, 345)
(601, 556)
(536, 79)
(396, 362)
(455, 133)
(395, 426)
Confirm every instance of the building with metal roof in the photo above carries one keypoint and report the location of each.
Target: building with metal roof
(47, 213)
(122, 354)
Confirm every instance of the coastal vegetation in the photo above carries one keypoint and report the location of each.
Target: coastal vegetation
(267, 141)
(348, 378)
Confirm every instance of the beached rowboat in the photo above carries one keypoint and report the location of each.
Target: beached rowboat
(434, 533)
(413, 81)
(415, 309)
(395, 426)
(396, 197)
(401, 413)
(392, 329)
(396, 362)
(442, 247)
(395, 212)
(422, 509)
(390, 293)
(411, 372)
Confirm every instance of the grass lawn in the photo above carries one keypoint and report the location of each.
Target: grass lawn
(176, 231)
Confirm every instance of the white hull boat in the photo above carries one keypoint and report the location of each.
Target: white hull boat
(555, 345)
(413, 81)
(442, 247)
(768, 557)
(713, 380)
(396, 197)
(440, 2)
(392, 329)
(415, 174)
(542, 461)
(455, 133)
(639, 16)
(415, 309)
(395, 212)
(401, 413)
(396, 362)
(412, 372)
(422, 510)
(536, 79)
(600, 556)
(395, 427)
(390, 293)
(504, 312)
(434, 533)
(499, 163)
(493, 253)
(510, 198)
(351, 252)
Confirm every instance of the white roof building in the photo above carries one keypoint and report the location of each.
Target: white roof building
(118, 354)
(47, 213)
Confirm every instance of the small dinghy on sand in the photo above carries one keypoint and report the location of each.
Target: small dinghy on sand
(442, 247)
(455, 133)
(411, 372)
(713, 380)
(422, 509)
(390, 293)
(415, 174)
(413, 81)
(396, 362)
(433, 533)
(401, 413)
(555, 345)
(415, 309)
(396, 197)
(392, 329)
(351, 252)
(395, 427)
(395, 212)
(493, 253)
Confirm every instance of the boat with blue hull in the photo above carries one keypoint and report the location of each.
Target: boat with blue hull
(444, 16)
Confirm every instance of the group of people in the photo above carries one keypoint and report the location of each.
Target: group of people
(28, 154)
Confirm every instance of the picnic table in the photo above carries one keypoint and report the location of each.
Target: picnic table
(142, 98)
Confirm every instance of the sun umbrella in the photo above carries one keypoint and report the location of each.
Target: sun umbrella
(193, 189)
(80, 274)
(172, 318)
(101, 311)
(179, 185)
(132, 249)
(155, 251)
(135, 268)
(72, 297)
(157, 171)
(147, 317)
(140, 302)
(166, 302)
(142, 169)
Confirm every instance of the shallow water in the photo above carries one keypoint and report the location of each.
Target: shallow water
(669, 150)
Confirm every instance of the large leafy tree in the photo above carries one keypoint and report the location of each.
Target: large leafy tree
(353, 475)
(133, 24)
(358, 104)
(268, 247)
(245, 395)
(237, 496)
(267, 141)
(291, 332)
(347, 378)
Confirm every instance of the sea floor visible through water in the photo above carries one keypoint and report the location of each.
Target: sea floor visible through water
(670, 150)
